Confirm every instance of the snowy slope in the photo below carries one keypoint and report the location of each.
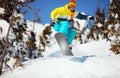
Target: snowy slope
(99, 48)
(91, 60)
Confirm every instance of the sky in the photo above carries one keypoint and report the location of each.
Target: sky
(46, 6)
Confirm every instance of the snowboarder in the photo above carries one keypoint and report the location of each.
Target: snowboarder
(62, 20)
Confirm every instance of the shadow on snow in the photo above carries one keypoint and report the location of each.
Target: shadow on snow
(81, 59)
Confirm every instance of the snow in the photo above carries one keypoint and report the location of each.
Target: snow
(35, 28)
(4, 25)
(116, 16)
(21, 0)
(2, 10)
(111, 1)
(99, 25)
(90, 60)
(91, 48)
(83, 24)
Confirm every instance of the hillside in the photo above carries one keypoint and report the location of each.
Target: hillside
(91, 60)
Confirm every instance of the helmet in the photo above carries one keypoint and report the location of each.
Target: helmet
(72, 3)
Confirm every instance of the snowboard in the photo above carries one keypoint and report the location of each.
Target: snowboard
(63, 44)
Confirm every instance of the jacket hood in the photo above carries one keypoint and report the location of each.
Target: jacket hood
(66, 7)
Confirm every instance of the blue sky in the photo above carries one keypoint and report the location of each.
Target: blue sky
(46, 6)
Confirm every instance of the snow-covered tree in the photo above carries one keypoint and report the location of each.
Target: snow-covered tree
(114, 25)
(10, 11)
(108, 28)
(97, 31)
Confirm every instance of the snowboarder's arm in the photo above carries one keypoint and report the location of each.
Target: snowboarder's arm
(54, 14)
(84, 17)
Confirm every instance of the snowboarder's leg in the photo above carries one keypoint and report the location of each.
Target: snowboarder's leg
(71, 35)
(57, 26)
(64, 27)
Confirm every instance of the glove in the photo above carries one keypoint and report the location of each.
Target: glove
(91, 17)
(71, 20)
(52, 22)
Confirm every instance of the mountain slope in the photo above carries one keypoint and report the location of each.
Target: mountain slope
(93, 62)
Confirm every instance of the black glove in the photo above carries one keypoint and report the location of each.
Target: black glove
(52, 22)
(71, 20)
(91, 17)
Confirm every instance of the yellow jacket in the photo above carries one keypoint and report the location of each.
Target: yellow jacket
(61, 12)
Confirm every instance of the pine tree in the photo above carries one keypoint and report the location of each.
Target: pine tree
(98, 27)
(114, 25)
(13, 15)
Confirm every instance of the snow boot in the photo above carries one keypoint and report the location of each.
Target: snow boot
(70, 46)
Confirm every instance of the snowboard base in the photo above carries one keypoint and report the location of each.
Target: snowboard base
(63, 44)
